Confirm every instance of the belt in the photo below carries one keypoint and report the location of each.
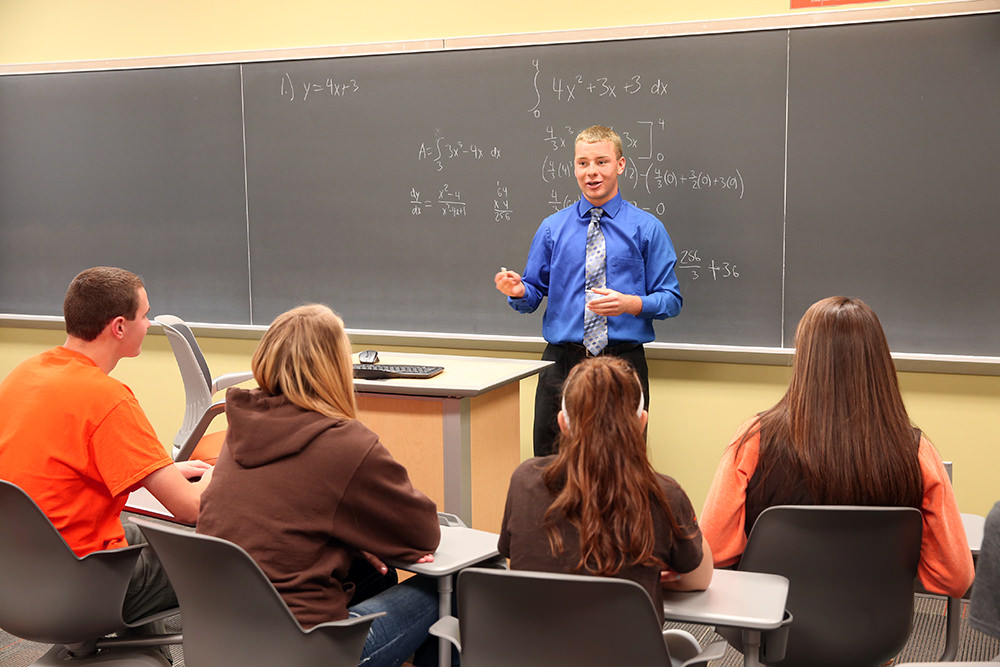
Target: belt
(613, 350)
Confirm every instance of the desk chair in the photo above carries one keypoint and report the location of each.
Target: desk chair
(50, 595)
(851, 573)
(199, 389)
(539, 619)
(234, 617)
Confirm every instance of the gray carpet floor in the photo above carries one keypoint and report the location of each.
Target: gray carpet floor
(925, 644)
(926, 641)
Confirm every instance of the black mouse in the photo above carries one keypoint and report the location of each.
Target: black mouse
(368, 357)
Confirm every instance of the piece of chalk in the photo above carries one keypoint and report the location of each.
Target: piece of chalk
(504, 269)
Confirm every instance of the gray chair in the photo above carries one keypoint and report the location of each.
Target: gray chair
(851, 573)
(51, 596)
(199, 389)
(234, 617)
(539, 619)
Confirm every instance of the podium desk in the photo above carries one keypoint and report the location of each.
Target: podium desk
(458, 433)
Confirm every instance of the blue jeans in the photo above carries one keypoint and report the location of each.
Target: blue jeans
(411, 608)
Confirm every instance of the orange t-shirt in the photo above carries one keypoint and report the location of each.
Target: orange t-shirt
(76, 441)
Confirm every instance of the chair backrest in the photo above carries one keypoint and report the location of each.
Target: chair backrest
(233, 616)
(180, 333)
(194, 373)
(47, 593)
(851, 574)
(517, 617)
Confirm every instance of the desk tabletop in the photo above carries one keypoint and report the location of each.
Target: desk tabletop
(463, 375)
(975, 526)
(752, 600)
(460, 547)
(141, 501)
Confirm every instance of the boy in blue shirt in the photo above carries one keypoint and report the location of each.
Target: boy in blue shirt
(608, 308)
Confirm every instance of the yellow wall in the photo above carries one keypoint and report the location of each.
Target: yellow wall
(66, 30)
(696, 405)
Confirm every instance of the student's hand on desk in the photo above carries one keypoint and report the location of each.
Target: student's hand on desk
(509, 282)
(193, 469)
(611, 303)
(668, 577)
(375, 562)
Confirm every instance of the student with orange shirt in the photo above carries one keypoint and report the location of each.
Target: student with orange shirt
(76, 441)
(839, 436)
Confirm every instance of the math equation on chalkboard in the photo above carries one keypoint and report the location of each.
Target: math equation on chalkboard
(316, 88)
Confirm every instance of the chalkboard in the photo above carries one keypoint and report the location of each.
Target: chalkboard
(786, 165)
(137, 168)
(894, 178)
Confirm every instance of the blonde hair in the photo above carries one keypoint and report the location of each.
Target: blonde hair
(305, 355)
(597, 133)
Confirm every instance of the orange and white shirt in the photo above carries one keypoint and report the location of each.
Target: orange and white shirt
(945, 560)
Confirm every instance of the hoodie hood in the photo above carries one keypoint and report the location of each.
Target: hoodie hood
(264, 428)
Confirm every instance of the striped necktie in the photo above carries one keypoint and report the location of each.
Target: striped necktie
(595, 327)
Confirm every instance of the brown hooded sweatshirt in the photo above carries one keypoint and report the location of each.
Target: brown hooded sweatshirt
(304, 493)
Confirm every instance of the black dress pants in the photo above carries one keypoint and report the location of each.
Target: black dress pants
(548, 395)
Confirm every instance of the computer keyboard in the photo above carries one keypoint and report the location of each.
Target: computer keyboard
(385, 371)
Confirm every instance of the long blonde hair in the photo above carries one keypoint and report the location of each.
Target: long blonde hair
(305, 355)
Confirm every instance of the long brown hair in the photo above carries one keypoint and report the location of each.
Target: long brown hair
(306, 355)
(603, 481)
(842, 422)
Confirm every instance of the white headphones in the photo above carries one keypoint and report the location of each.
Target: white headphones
(638, 410)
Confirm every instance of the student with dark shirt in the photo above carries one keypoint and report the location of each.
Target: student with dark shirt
(598, 507)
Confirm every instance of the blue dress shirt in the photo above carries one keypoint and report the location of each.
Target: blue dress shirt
(640, 261)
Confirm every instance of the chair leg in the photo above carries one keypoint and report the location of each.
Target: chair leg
(953, 629)
(60, 656)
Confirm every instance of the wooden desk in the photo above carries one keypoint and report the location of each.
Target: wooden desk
(458, 433)
(750, 601)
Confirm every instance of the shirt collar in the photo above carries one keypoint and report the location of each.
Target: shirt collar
(610, 207)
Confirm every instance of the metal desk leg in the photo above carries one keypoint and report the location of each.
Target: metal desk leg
(444, 586)
(751, 648)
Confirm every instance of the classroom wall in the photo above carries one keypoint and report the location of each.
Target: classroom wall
(65, 30)
(696, 406)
